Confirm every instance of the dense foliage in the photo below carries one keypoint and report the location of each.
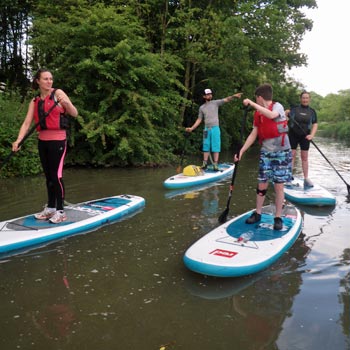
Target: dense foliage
(334, 115)
(12, 112)
(136, 69)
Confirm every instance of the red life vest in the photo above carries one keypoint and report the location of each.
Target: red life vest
(270, 128)
(56, 120)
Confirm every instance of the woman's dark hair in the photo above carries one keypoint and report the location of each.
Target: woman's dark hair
(37, 75)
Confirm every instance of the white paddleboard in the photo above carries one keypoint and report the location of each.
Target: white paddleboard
(26, 231)
(316, 195)
(209, 175)
(223, 253)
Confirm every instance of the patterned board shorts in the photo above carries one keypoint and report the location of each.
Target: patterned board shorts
(275, 166)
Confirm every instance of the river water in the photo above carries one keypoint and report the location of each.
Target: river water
(124, 286)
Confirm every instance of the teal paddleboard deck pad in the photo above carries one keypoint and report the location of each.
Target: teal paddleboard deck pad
(223, 252)
(26, 231)
(315, 196)
(207, 176)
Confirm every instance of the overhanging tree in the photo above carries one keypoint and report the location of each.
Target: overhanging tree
(127, 96)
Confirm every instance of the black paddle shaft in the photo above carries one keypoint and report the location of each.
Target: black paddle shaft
(179, 168)
(322, 154)
(223, 217)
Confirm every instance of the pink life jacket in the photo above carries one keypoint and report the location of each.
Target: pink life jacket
(56, 119)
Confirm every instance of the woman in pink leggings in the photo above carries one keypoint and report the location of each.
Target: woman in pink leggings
(49, 110)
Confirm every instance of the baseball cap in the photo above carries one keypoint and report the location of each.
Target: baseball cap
(207, 92)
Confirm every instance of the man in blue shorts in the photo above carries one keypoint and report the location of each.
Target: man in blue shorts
(275, 163)
(209, 111)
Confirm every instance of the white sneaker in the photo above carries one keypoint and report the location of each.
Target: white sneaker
(59, 216)
(308, 183)
(47, 213)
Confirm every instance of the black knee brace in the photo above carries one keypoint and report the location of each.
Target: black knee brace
(261, 193)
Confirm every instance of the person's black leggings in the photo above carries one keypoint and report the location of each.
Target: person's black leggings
(52, 155)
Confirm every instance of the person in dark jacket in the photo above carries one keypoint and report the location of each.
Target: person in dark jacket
(302, 129)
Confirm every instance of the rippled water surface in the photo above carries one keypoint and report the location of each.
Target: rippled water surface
(124, 286)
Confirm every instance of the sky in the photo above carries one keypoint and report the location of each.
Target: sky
(327, 48)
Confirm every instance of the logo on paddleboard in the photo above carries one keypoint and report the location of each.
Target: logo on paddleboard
(223, 253)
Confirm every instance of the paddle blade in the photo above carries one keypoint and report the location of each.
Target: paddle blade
(223, 217)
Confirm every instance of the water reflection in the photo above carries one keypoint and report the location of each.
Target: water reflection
(217, 288)
(37, 305)
(124, 286)
(344, 296)
(348, 198)
(205, 199)
(55, 319)
(192, 191)
(315, 211)
(259, 303)
(316, 321)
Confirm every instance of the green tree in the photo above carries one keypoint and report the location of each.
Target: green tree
(335, 115)
(127, 96)
(26, 161)
(136, 69)
(229, 45)
(14, 55)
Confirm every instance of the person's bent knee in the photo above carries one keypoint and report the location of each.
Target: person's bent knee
(260, 192)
